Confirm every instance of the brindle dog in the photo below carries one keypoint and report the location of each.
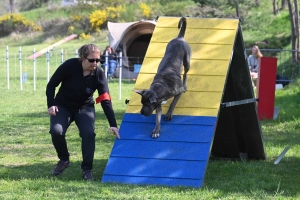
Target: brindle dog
(167, 82)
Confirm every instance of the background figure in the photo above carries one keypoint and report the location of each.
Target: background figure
(78, 78)
(112, 61)
(253, 63)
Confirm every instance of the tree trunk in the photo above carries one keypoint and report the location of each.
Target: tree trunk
(297, 29)
(274, 7)
(293, 25)
(237, 9)
(283, 4)
(12, 6)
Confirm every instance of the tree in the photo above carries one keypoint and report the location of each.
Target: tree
(283, 4)
(12, 6)
(297, 28)
(275, 8)
(294, 19)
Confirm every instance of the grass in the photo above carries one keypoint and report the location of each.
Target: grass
(27, 155)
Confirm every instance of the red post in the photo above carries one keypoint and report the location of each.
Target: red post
(266, 87)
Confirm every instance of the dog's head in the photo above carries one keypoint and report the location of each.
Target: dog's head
(149, 100)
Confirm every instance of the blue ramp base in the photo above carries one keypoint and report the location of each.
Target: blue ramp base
(177, 158)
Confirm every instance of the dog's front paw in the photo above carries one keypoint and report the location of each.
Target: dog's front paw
(155, 134)
(168, 117)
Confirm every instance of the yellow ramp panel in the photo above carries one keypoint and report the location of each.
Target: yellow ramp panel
(211, 42)
(205, 51)
(198, 67)
(212, 36)
(209, 67)
(199, 23)
(200, 99)
(194, 83)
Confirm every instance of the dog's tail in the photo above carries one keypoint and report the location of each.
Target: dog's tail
(182, 26)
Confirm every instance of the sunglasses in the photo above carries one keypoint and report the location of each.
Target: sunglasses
(93, 60)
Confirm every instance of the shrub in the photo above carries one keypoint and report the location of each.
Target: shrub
(99, 17)
(146, 10)
(16, 23)
(84, 36)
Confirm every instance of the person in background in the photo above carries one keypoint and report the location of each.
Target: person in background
(253, 63)
(78, 78)
(112, 61)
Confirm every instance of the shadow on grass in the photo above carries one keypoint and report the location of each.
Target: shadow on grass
(225, 176)
(43, 171)
(250, 176)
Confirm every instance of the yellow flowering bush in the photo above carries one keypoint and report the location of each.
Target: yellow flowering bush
(84, 36)
(76, 18)
(146, 10)
(71, 29)
(99, 17)
(17, 23)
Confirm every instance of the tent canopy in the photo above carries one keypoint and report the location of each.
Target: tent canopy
(133, 38)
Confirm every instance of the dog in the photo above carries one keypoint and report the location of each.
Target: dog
(167, 82)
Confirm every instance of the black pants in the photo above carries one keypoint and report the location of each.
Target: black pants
(84, 119)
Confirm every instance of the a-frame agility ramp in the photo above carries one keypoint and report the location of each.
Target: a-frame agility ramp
(216, 116)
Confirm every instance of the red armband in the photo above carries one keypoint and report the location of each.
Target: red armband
(104, 96)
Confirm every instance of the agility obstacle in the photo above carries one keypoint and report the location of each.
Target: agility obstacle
(216, 116)
(41, 52)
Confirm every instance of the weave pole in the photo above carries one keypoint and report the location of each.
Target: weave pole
(21, 71)
(34, 70)
(120, 77)
(7, 66)
(48, 64)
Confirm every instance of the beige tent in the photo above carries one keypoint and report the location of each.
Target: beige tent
(133, 38)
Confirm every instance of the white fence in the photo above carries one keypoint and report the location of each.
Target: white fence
(23, 66)
(19, 67)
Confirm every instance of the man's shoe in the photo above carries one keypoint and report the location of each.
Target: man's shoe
(60, 167)
(87, 175)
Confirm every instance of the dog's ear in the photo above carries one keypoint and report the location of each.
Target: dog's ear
(153, 99)
(141, 92)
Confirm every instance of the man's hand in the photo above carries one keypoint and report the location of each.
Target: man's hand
(115, 131)
(52, 110)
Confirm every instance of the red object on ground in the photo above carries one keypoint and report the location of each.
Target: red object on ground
(266, 83)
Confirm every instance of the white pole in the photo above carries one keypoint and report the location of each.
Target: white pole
(62, 56)
(7, 67)
(106, 63)
(76, 53)
(34, 70)
(120, 77)
(48, 64)
(21, 71)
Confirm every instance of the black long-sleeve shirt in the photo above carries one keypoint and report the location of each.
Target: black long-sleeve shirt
(76, 91)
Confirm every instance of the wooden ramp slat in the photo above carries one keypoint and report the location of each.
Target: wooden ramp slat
(198, 130)
(211, 36)
(200, 67)
(163, 168)
(205, 51)
(177, 150)
(186, 120)
(194, 83)
(153, 180)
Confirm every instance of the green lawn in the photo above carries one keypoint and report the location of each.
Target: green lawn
(27, 156)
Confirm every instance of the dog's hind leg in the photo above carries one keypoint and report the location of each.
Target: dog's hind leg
(169, 114)
(156, 130)
(186, 65)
